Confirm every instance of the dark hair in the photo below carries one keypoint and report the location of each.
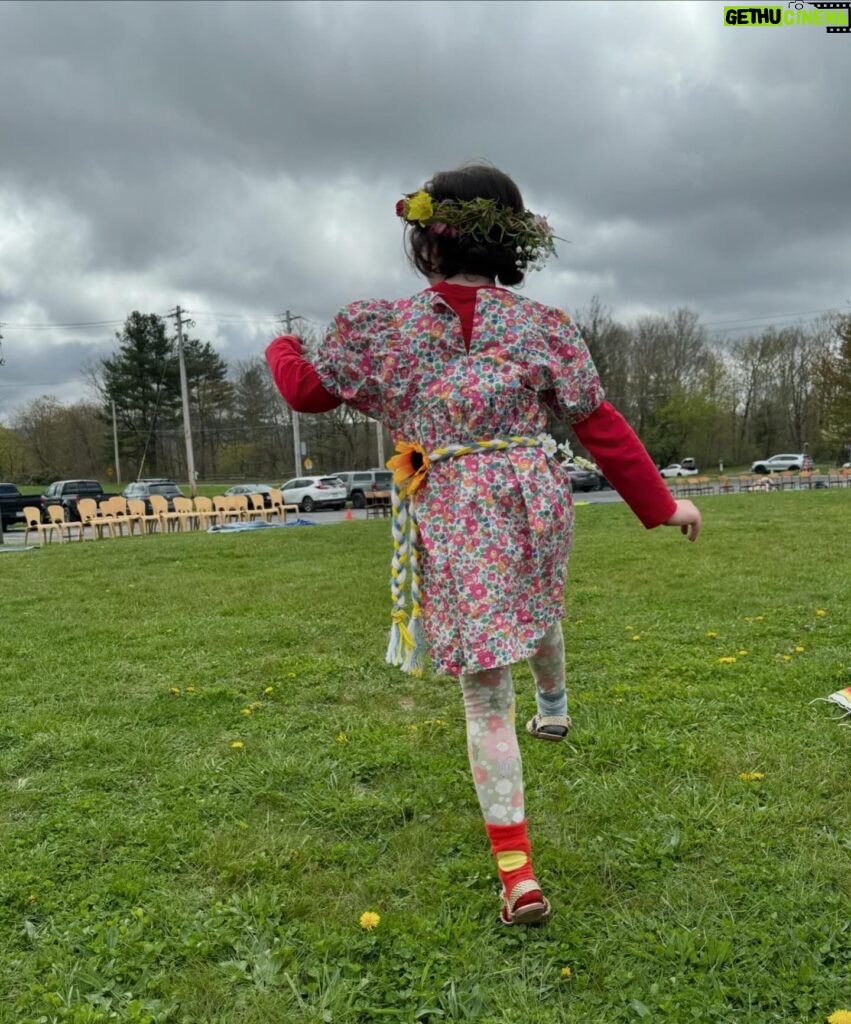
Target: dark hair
(432, 253)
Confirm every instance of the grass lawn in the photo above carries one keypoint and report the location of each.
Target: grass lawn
(207, 774)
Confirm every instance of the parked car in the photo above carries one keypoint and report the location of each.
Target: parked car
(583, 478)
(678, 469)
(263, 489)
(311, 492)
(13, 503)
(68, 492)
(143, 489)
(782, 464)
(361, 481)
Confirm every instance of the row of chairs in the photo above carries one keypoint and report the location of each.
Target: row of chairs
(113, 516)
(804, 480)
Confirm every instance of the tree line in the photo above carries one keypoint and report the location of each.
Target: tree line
(686, 393)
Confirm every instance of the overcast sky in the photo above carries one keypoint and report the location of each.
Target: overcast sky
(245, 158)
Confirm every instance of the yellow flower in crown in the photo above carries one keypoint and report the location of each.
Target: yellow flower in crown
(420, 207)
(409, 467)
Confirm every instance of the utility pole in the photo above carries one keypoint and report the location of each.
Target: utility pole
(184, 394)
(115, 444)
(2, 360)
(379, 433)
(288, 319)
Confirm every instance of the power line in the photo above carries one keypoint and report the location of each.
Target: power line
(774, 316)
(60, 327)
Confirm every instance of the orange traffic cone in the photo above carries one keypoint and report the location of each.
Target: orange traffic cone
(348, 515)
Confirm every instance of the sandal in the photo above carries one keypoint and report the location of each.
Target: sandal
(549, 727)
(533, 911)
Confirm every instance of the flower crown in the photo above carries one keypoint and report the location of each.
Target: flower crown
(486, 220)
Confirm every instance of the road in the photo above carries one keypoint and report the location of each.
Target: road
(593, 497)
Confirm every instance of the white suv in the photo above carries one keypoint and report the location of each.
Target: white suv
(310, 492)
(782, 464)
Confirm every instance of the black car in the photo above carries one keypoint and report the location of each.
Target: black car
(143, 489)
(584, 479)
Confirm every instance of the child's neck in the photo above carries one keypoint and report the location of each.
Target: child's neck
(469, 280)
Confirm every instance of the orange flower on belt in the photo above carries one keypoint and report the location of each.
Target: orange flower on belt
(409, 467)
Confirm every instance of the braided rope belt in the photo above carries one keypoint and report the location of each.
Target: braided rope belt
(406, 647)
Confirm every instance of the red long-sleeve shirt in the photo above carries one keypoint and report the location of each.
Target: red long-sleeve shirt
(605, 433)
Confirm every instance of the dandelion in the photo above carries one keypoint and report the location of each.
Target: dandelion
(190, 689)
(566, 973)
(636, 637)
(711, 632)
(786, 657)
(727, 661)
(759, 618)
(237, 745)
(174, 691)
(755, 777)
(820, 612)
(369, 920)
(268, 690)
(799, 650)
(247, 711)
(840, 1017)
(742, 653)
(630, 628)
(342, 738)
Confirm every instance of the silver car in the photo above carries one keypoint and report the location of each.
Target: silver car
(361, 482)
(311, 492)
(781, 464)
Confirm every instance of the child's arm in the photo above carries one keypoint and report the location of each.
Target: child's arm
(630, 470)
(296, 378)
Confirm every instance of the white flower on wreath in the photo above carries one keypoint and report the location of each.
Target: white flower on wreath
(548, 443)
(566, 451)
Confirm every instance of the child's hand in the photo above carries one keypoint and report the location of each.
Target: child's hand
(687, 517)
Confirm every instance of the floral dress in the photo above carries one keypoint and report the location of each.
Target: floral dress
(496, 526)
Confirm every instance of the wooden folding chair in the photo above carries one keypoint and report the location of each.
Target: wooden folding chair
(137, 512)
(257, 508)
(56, 515)
(97, 521)
(205, 513)
(185, 513)
(167, 518)
(34, 524)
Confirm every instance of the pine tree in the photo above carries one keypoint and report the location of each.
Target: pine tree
(142, 380)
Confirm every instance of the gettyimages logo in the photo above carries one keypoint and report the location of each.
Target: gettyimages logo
(835, 17)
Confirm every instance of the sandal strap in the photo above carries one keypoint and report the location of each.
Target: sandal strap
(559, 720)
(524, 886)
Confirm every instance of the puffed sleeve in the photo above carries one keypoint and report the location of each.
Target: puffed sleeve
(572, 385)
(346, 362)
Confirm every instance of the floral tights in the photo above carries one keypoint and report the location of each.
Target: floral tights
(491, 734)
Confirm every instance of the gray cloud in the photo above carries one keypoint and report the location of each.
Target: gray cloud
(245, 157)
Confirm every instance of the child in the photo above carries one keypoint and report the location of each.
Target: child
(462, 375)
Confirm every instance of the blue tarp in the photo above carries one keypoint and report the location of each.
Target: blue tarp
(256, 525)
